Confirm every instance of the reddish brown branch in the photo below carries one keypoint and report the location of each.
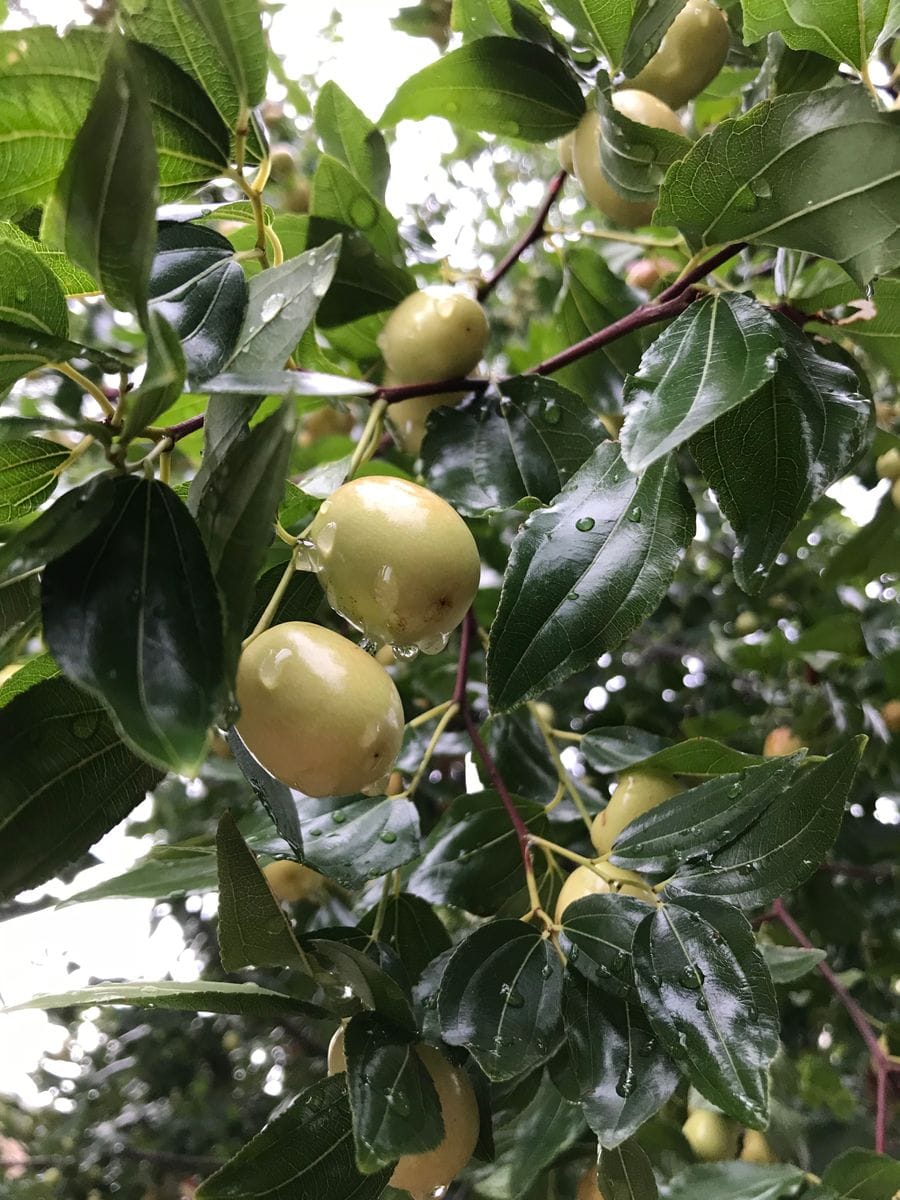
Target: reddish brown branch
(700, 272)
(176, 432)
(405, 391)
(532, 234)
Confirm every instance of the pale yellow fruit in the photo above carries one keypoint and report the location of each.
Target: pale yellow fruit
(437, 333)
(637, 793)
(587, 1188)
(756, 1148)
(895, 493)
(565, 149)
(781, 741)
(316, 711)
(712, 1137)
(586, 882)
(646, 273)
(282, 162)
(887, 465)
(290, 881)
(324, 422)
(396, 561)
(423, 1174)
(612, 423)
(890, 714)
(231, 1039)
(690, 56)
(746, 622)
(296, 196)
(640, 107)
(407, 418)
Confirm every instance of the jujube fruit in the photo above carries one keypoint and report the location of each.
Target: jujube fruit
(316, 711)
(887, 465)
(756, 1148)
(290, 881)
(587, 1186)
(407, 418)
(712, 1137)
(690, 56)
(584, 881)
(890, 714)
(637, 793)
(396, 561)
(436, 333)
(781, 741)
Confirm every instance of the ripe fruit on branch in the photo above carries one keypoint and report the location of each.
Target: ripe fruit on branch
(437, 333)
(638, 106)
(746, 622)
(586, 882)
(646, 273)
(690, 56)
(396, 561)
(587, 1187)
(637, 793)
(712, 1137)
(756, 1148)
(781, 741)
(290, 881)
(422, 1174)
(324, 422)
(316, 711)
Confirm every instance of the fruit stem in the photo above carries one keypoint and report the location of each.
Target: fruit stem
(386, 889)
(370, 437)
(259, 212)
(570, 854)
(277, 596)
(436, 736)
(561, 773)
(74, 454)
(532, 234)
(425, 717)
(86, 385)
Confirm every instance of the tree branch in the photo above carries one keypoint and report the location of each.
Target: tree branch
(695, 274)
(532, 234)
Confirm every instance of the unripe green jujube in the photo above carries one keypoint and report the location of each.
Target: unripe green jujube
(712, 1137)
(436, 333)
(584, 881)
(690, 56)
(637, 793)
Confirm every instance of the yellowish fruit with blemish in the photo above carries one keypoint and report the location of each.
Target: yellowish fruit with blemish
(422, 1174)
(756, 1148)
(637, 793)
(316, 711)
(436, 333)
(396, 561)
(290, 881)
(690, 56)
(638, 106)
(584, 881)
(587, 1187)
(712, 1137)
(781, 741)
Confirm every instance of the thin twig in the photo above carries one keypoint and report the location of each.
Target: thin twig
(694, 274)
(532, 234)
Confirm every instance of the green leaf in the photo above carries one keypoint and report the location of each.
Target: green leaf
(614, 748)
(131, 614)
(30, 294)
(598, 932)
(872, 550)
(337, 195)
(877, 333)
(624, 1075)
(541, 1133)
(54, 532)
(347, 134)
(288, 383)
(253, 929)
(649, 24)
(710, 999)
(712, 358)
(602, 25)
(301, 602)
(412, 930)
(23, 350)
(625, 1173)
(787, 963)
(305, 1150)
(472, 857)
(634, 156)
(786, 845)
(371, 985)
(34, 671)
(500, 998)
(20, 612)
(236, 514)
(692, 826)
(196, 284)
(356, 838)
(737, 1181)
(769, 459)
(393, 1101)
(103, 211)
(584, 573)
(493, 454)
(206, 995)
(494, 85)
(189, 872)
(817, 172)
(28, 475)
(863, 1175)
(219, 42)
(846, 30)
(67, 780)
(163, 380)
(72, 280)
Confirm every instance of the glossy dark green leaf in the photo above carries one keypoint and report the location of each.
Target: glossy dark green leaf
(31, 673)
(787, 963)
(55, 531)
(500, 998)
(131, 614)
(348, 135)
(196, 284)
(493, 454)
(393, 1100)
(788, 842)
(301, 602)
(305, 1150)
(72, 280)
(541, 1133)
(819, 173)
(494, 85)
(709, 998)
(163, 380)
(690, 827)
(46, 90)
(337, 195)
(737, 1181)
(597, 933)
(277, 799)
(412, 929)
(871, 551)
(599, 24)
(370, 985)
(253, 930)
(23, 350)
(206, 995)
(614, 748)
(649, 24)
(862, 1175)
(623, 1073)
(236, 515)
(846, 31)
(770, 458)
(30, 293)
(634, 156)
(103, 211)
(20, 613)
(28, 475)
(585, 572)
(356, 838)
(67, 779)
(625, 1173)
(712, 358)
(472, 856)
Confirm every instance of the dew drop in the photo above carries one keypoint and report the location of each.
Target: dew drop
(761, 188)
(572, 596)
(272, 306)
(585, 524)
(573, 953)
(406, 653)
(734, 790)
(626, 1083)
(388, 837)
(635, 514)
(691, 978)
(546, 971)
(513, 998)
(338, 817)
(702, 1004)
(434, 645)
(551, 412)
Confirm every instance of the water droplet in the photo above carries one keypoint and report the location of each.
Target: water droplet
(546, 971)
(745, 200)
(620, 962)
(572, 596)
(551, 412)
(573, 953)
(406, 653)
(626, 1083)
(702, 1004)
(338, 817)
(734, 790)
(513, 998)
(691, 978)
(388, 837)
(746, 868)
(635, 514)
(761, 188)
(272, 306)
(85, 724)
(585, 524)
(398, 1103)
(434, 645)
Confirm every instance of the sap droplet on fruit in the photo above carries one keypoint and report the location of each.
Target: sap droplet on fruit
(272, 306)
(434, 645)
(585, 524)
(406, 653)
